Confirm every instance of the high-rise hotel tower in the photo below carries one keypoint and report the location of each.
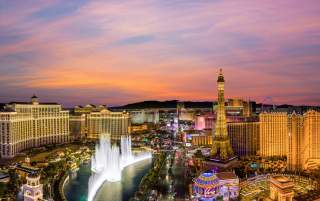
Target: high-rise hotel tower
(273, 134)
(91, 121)
(25, 125)
(295, 136)
(221, 147)
(311, 140)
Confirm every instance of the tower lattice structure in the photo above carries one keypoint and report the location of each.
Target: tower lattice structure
(221, 147)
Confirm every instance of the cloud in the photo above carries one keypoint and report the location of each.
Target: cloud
(141, 49)
(58, 10)
(135, 40)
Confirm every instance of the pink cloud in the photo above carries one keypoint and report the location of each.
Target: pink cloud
(249, 39)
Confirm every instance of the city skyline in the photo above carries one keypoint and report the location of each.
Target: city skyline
(119, 52)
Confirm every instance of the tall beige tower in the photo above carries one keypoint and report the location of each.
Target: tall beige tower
(311, 140)
(296, 134)
(273, 134)
(221, 147)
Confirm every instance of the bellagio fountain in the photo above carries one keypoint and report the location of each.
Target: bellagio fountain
(109, 160)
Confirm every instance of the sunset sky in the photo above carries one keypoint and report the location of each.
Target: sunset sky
(120, 51)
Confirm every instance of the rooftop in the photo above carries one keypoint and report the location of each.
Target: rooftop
(226, 175)
(30, 103)
(281, 182)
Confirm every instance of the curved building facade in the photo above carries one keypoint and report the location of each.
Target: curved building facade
(25, 125)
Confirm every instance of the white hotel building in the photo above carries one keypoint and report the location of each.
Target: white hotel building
(31, 124)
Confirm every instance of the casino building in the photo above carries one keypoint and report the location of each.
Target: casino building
(25, 125)
(273, 134)
(91, 121)
(210, 186)
(295, 136)
(106, 121)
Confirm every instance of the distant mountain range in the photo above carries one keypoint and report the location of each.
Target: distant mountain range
(165, 104)
(199, 104)
(209, 104)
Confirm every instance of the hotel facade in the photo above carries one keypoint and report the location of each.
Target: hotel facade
(105, 121)
(311, 140)
(273, 134)
(24, 125)
(244, 137)
(295, 142)
(295, 136)
(91, 121)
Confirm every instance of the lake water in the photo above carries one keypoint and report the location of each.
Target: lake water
(77, 187)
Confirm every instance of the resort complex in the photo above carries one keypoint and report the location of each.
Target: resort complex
(227, 150)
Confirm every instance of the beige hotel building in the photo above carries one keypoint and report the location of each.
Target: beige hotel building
(273, 134)
(25, 125)
(106, 121)
(304, 141)
(91, 121)
(295, 136)
(311, 140)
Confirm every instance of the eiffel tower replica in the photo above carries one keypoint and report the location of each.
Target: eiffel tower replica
(222, 155)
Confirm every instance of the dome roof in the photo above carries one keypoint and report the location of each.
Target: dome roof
(207, 179)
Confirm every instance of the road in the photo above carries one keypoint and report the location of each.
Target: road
(174, 185)
(180, 181)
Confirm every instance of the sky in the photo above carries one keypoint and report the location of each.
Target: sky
(121, 51)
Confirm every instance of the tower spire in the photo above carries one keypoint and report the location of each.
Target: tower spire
(220, 77)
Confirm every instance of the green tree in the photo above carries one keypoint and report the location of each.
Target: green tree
(14, 183)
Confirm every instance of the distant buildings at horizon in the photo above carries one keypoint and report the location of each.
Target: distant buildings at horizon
(24, 125)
